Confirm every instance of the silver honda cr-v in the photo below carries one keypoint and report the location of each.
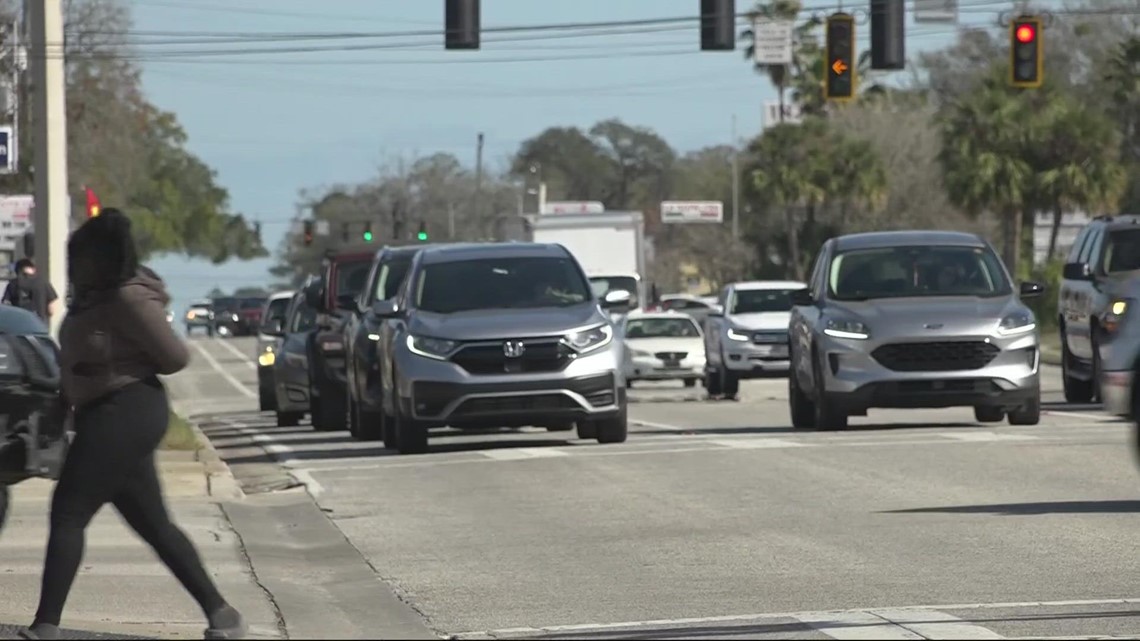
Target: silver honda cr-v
(914, 319)
(499, 335)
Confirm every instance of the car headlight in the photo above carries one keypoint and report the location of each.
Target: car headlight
(589, 339)
(437, 348)
(1017, 323)
(737, 335)
(266, 359)
(1116, 313)
(841, 328)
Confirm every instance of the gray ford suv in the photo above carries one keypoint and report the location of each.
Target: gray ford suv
(912, 319)
(499, 335)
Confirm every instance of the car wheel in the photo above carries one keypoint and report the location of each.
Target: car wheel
(690, 382)
(266, 401)
(712, 382)
(1028, 414)
(827, 415)
(369, 425)
(351, 418)
(288, 419)
(614, 429)
(1076, 390)
(411, 435)
(587, 430)
(328, 414)
(4, 496)
(799, 405)
(730, 385)
(1094, 380)
(985, 414)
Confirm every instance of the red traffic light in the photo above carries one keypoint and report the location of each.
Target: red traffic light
(1025, 33)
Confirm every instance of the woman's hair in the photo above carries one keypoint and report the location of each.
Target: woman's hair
(101, 254)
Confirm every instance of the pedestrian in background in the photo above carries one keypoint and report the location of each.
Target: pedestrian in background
(114, 342)
(31, 291)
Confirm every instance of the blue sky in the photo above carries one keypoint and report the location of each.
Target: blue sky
(273, 124)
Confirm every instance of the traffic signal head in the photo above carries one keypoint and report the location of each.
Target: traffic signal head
(1026, 55)
(718, 25)
(422, 235)
(840, 62)
(368, 232)
(461, 24)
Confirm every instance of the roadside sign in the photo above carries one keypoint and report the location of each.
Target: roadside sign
(793, 113)
(692, 211)
(772, 41)
(7, 153)
(584, 207)
(936, 11)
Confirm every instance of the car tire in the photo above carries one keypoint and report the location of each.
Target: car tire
(730, 386)
(799, 404)
(4, 500)
(712, 382)
(587, 430)
(351, 418)
(1076, 390)
(369, 425)
(411, 435)
(328, 414)
(614, 429)
(266, 399)
(1028, 414)
(691, 382)
(827, 415)
(987, 414)
(288, 419)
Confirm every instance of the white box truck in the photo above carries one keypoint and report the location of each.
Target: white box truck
(609, 245)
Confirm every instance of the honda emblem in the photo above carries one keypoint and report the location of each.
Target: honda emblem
(513, 349)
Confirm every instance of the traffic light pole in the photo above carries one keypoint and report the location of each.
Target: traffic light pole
(49, 117)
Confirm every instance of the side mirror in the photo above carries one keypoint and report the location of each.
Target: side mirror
(314, 296)
(802, 298)
(616, 298)
(273, 327)
(386, 308)
(346, 302)
(1076, 271)
(1031, 289)
(716, 311)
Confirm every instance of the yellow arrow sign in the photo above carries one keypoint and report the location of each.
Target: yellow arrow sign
(839, 67)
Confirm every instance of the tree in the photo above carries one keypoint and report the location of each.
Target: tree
(1121, 78)
(131, 153)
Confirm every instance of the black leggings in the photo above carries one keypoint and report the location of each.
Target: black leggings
(112, 461)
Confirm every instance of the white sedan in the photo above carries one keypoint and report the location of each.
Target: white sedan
(663, 346)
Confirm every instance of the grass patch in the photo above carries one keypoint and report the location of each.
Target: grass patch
(179, 435)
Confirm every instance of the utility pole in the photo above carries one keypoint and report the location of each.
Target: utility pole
(736, 180)
(478, 178)
(52, 211)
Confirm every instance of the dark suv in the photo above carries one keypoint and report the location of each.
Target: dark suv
(1105, 255)
(333, 296)
(361, 333)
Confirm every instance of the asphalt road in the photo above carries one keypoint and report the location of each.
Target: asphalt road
(716, 519)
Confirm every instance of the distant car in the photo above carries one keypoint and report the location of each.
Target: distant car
(227, 320)
(603, 284)
(33, 434)
(747, 335)
(499, 335)
(693, 306)
(663, 346)
(200, 315)
(914, 319)
(249, 315)
(291, 363)
(267, 345)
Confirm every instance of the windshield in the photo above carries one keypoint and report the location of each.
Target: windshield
(1122, 252)
(391, 276)
(753, 301)
(352, 277)
(276, 309)
(661, 328)
(498, 283)
(224, 304)
(304, 319)
(252, 303)
(602, 285)
(894, 272)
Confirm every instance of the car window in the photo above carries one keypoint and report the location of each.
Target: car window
(500, 283)
(1122, 251)
(1087, 247)
(1078, 246)
(661, 328)
(930, 270)
(352, 277)
(276, 309)
(304, 319)
(753, 301)
(391, 276)
(604, 285)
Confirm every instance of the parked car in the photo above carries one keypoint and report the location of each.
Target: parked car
(499, 335)
(291, 363)
(33, 431)
(361, 333)
(333, 296)
(663, 346)
(746, 335)
(268, 342)
(200, 315)
(917, 319)
(1104, 257)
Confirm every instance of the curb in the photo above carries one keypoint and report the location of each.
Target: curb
(220, 480)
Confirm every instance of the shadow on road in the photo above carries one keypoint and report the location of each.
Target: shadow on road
(723, 431)
(301, 454)
(1072, 407)
(1129, 506)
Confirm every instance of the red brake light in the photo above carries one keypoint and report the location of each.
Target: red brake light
(1025, 33)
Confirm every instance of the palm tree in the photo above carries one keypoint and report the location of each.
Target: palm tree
(783, 75)
(1122, 76)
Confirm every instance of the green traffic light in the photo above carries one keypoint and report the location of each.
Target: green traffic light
(367, 236)
(422, 235)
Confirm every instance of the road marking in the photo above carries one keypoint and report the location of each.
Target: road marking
(749, 618)
(659, 426)
(1100, 418)
(984, 437)
(521, 453)
(931, 624)
(757, 443)
(245, 359)
(855, 625)
(220, 370)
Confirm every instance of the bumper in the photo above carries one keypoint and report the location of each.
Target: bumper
(856, 380)
(442, 393)
(652, 369)
(292, 389)
(749, 359)
(1116, 392)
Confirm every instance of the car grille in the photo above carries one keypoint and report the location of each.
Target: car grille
(671, 357)
(770, 338)
(533, 403)
(432, 398)
(539, 355)
(941, 356)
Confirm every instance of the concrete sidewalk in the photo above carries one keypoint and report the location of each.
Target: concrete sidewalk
(122, 588)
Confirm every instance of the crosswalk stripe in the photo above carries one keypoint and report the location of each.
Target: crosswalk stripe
(855, 626)
(932, 624)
